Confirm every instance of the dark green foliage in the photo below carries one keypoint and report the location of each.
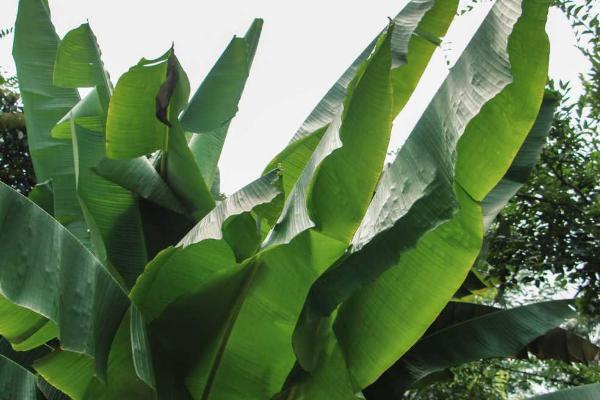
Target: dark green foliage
(498, 379)
(16, 169)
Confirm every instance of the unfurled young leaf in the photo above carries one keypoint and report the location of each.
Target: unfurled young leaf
(163, 98)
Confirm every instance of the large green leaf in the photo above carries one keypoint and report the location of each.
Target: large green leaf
(74, 373)
(585, 392)
(556, 344)
(336, 186)
(523, 163)
(184, 176)
(276, 281)
(263, 301)
(317, 384)
(142, 118)
(165, 278)
(132, 129)
(61, 280)
(18, 324)
(34, 51)
(411, 53)
(418, 193)
(509, 185)
(111, 212)
(23, 328)
(78, 64)
(499, 333)
(458, 234)
(191, 286)
(15, 381)
(139, 176)
(215, 103)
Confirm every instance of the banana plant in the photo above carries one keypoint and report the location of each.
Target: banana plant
(138, 280)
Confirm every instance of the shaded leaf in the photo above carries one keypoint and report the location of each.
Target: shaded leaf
(485, 334)
(139, 176)
(42, 194)
(15, 381)
(560, 344)
(74, 373)
(61, 280)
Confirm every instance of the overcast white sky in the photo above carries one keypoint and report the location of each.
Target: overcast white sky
(304, 47)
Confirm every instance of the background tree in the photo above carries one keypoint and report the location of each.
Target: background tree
(16, 169)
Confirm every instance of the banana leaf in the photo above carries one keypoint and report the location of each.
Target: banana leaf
(21, 326)
(523, 163)
(215, 103)
(560, 344)
(275, 282)
(487, 334)
(62, 280)
(335, 188)
(15, 381)
(188, 286)
(17, 378)
(34, 50)
(132, 128)
(111, 212)
(142, 118)
(139, 176)
(513, 180)
(411, 51)
(74, 374)
(422, 199)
